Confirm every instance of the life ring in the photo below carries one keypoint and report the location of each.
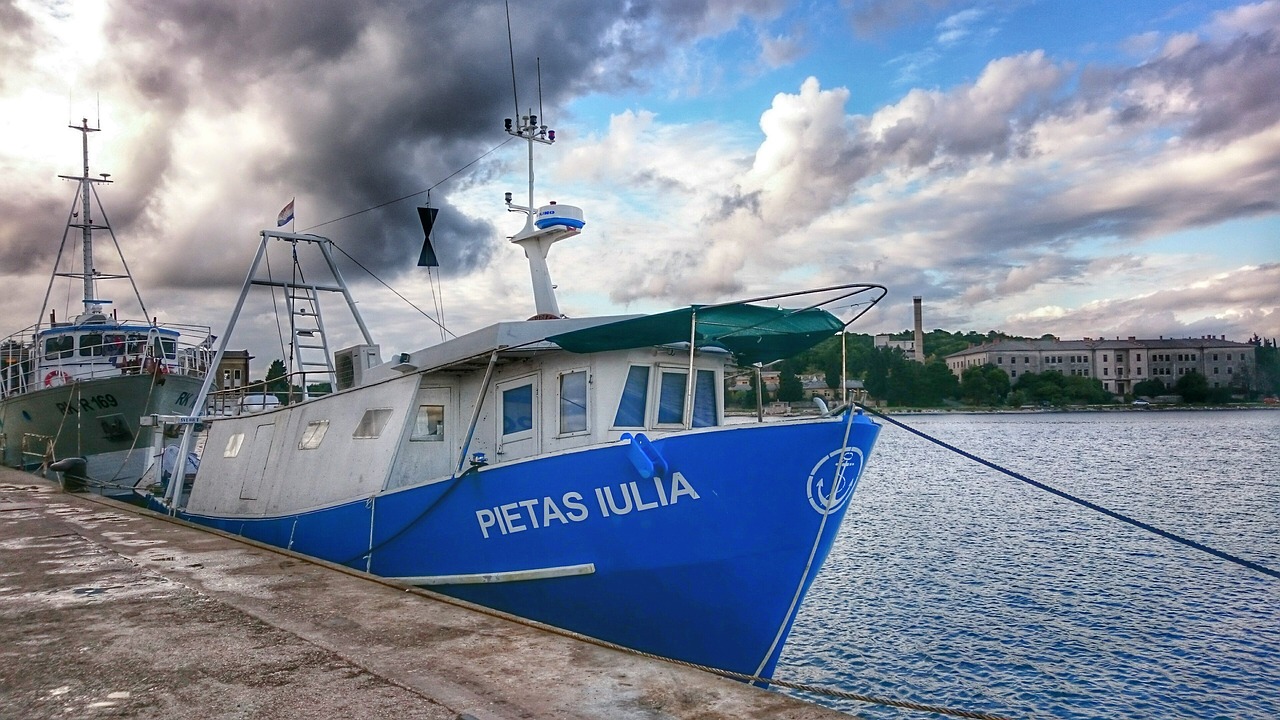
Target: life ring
(56, 378)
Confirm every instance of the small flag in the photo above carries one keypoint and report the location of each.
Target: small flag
(286, 215)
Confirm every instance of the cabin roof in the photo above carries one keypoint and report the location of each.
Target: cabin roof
(105, 328)
(753, 333)
(499, 336)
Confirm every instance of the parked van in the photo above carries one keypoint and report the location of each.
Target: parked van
(258, 402)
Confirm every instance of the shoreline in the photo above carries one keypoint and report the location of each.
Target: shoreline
(1028, 411)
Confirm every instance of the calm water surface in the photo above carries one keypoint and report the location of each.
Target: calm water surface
(951, 584)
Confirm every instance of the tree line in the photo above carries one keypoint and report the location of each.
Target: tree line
(889, 376)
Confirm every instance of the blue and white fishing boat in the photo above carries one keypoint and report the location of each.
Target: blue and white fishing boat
(580, 472)
(75, 389)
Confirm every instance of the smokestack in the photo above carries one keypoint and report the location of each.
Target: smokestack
(919, 329)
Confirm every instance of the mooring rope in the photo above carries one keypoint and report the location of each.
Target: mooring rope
(1081, 501)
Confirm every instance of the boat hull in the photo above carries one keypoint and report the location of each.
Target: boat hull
(96, 419)
(697, 546)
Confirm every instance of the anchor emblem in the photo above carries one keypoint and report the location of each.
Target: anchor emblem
(833, 479)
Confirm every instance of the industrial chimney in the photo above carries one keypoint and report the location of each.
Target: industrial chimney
(919, 329)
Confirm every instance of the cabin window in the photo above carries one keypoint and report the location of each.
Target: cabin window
(61, 346)
(704, 399)
(372, 423)
(573, 402)
(313, 434)
(113, 345)
(164, 347)
(233, 445)
(137, 343)
(671, 398)
(90, 344)
(517, 410)
(631, 407)
(428, 426)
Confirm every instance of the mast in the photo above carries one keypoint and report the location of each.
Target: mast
(86, 230)
(543, 225)
(89, 273)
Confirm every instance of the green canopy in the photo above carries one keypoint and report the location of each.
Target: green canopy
(752, 333)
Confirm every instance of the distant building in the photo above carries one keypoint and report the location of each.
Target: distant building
(233, 371)
(231, 379)
(906, 346)
(1119, 364)
(769, 378)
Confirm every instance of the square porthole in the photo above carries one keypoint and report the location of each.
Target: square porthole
(313, 435)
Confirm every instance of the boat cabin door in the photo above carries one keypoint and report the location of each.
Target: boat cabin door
(431, 450)
(519, 405)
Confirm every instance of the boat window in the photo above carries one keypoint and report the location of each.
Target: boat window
(90, 344)
(233, 445)
(517, 409)
(373, 423)
(671, 398)
(113, 345)
(573, 402)
(313, 434)
(705, 408)
(634, 395)
(163, 347)
(137, 343)
(428, 426)
(59, 346)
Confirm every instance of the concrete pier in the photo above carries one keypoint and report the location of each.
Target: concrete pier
(110, 611)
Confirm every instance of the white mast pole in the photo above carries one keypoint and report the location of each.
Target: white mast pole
(537, 242)
(86, 230)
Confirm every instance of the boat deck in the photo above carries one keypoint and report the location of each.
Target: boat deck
(109, 610)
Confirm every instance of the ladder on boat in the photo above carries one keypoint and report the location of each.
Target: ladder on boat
(311, 355)
(311, 359)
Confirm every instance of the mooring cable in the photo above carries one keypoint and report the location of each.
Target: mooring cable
(1257, 567)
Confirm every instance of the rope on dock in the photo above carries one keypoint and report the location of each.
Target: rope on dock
(1081, 501)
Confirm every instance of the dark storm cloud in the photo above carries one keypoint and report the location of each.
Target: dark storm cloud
(379, 100)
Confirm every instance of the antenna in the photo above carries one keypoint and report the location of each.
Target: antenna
(540, 113)
(511, 48)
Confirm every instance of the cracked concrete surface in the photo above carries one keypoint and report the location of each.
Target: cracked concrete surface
(107, 611)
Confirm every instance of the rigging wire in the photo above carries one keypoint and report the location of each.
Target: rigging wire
(1257, 567)
(393, 290)
(434, 283)
(432, 278)
(511, 48)
(275, 312)
(486, 154)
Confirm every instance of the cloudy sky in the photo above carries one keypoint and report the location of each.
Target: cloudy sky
(1031, 166)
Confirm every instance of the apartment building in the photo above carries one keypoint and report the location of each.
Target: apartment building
(1119, 364)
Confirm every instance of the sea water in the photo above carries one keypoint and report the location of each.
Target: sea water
(954, 585)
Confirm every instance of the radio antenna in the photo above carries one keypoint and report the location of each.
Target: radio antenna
(512, 49)
(540, 113)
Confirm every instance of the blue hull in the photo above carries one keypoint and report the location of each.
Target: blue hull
(697, 547)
